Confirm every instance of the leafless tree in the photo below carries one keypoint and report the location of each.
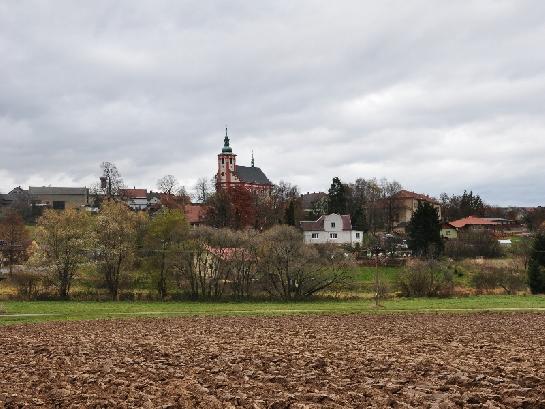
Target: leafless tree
(203, 190)
(168, 184)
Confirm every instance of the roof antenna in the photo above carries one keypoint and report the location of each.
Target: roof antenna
(252, 158)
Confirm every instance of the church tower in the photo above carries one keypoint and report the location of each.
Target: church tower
(227, 162)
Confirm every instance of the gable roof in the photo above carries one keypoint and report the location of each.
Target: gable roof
(195, 213)
(251, 174)
(319, 225)
(478, 221)
(134, 193)
(406, 194)
(50, 190)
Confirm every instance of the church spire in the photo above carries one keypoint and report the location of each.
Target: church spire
(226, 147)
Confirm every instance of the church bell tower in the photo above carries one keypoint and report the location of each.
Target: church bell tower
(227, 162)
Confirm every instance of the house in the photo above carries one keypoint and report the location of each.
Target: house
(230, 174)
(474, 223)
(136, 199)
(58, 198)
(332, 228)
(195, 213)
(402, 205)
(448, 231)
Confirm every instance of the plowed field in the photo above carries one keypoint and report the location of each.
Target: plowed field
(352, 361)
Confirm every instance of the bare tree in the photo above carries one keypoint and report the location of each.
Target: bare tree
(168, 184)
(111, 181)
(293, 270)
(203, 190)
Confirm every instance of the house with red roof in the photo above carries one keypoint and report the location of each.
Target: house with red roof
(136, 199)
(331, 228)
(402, 205)
(482, 223)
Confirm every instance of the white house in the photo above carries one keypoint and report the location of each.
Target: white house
(137, 199)
(332, 228)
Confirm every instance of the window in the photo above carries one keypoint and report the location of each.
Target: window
(223, 161)
(332, 225)
(58, 205)
(357, 235)
(333, 235)
(231, 161)
(314, 235)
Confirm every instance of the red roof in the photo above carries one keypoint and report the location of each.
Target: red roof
(194, 213)
(475, 221)
(405, 194)
(134, 193)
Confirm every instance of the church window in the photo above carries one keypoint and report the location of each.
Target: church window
(223, 161)
(222, 173)
(231, 161)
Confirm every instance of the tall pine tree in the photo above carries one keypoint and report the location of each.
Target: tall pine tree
(536, 265)
(424, 231)
(337, 197)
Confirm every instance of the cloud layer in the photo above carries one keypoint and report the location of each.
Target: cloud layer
(442, 96)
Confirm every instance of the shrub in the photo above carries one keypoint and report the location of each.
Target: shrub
(473, 244)
(27, 283)
(426, 279)
(510, 278)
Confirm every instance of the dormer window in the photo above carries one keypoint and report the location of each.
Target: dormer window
(332, 225)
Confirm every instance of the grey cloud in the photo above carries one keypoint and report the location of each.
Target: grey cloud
(439, 95)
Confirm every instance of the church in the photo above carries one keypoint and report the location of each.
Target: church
(230, 174)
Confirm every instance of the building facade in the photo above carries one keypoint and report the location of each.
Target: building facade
(404, 203)
(230, 174)
(59, 198)
(332, 228)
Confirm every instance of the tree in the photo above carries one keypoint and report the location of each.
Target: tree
(165, 237)
(536, 265)
(203, 190)
(116, 230)
(289, 217)
(168, 184)
(16, 238)
(63, 242)
(388, 190)
(293, 270)
(337, 197)
(111, 181)
(424, 231)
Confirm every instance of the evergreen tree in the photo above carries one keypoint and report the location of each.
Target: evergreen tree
(289, 216)
(424, 231)
(337, 197)
(535, 277)
(536, 266)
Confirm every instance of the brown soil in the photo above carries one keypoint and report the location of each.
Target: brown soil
(439, 361)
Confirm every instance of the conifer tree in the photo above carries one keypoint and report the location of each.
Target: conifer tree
(337, 197)
(424, 231)
(536, 266)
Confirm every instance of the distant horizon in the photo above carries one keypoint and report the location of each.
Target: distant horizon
(440, 96)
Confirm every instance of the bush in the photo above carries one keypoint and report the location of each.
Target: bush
(473, 244)
(27, 283)
(509, 278)
(426, 279)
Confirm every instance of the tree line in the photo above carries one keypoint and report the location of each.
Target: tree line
(119, 250)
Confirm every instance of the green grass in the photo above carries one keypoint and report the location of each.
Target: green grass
(367, 274)
(15, 311)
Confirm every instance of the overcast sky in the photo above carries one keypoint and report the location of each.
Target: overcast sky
(439, 95)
